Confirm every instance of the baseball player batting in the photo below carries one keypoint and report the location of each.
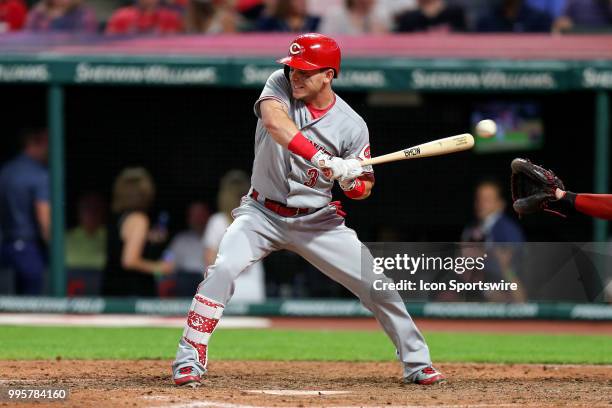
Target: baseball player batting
(306, 138)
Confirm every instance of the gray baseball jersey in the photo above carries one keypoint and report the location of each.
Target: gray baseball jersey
(321, 236)
(290, 179)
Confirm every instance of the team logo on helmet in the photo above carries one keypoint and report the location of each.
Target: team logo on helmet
(295, 49)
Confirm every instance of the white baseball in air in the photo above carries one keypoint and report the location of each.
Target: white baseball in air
(486, 128)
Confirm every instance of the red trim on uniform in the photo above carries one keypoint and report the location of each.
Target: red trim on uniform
(302, 146)
(317, 113)
(200, 323)
(339, 210)
(596, 205)
(201, 350)
(358, 190)
(208, 302)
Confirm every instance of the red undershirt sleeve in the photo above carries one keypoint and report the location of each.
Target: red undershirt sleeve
(596, 205)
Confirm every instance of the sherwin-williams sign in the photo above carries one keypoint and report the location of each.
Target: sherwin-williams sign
(360, 74)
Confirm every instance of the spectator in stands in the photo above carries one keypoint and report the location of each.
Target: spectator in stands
(553, 8)
(250, 10)
(287, 16)
(211, 17)
(473, 9)
(86, 247)
(145, 17)
(180, 6)
(257, 12)
(492, 224)
(432, 16)
(250, 285)
(186, 251)
(25, 214)
(389, 9)
(354, 17)
(128, 272)
(585, 15)
(63, 16)
(12, 15)
(514, 16)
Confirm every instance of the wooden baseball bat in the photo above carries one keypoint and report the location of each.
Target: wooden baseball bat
(438, 147)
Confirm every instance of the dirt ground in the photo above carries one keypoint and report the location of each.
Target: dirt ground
(148, 384)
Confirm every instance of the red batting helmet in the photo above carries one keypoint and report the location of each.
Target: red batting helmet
(313, 51)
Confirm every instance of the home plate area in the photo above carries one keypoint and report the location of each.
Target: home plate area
(297, 392)
(259, 384)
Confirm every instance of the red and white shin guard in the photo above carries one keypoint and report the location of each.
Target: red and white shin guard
(204, 314)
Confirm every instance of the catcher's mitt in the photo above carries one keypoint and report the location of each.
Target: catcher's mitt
(533, 188)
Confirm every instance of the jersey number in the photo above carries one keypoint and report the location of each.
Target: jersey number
(313, 176)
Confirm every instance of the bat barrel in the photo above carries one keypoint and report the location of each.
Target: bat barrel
(447, 145)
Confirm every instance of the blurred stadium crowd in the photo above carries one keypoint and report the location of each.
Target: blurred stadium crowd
(116, 248)
(350, 17)
(121, 246)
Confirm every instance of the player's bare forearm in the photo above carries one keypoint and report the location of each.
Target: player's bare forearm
(43, 216)
(277, 121)
(134, 232)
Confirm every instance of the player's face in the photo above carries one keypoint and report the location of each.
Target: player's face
(306, 85)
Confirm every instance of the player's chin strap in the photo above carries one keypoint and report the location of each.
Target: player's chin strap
(204, 314)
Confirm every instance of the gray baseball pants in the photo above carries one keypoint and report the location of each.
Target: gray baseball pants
(322, 239)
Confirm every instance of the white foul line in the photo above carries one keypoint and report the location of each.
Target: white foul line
(205, 404)
(298, 392)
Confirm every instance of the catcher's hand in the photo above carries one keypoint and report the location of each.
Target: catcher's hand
(533, 189)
